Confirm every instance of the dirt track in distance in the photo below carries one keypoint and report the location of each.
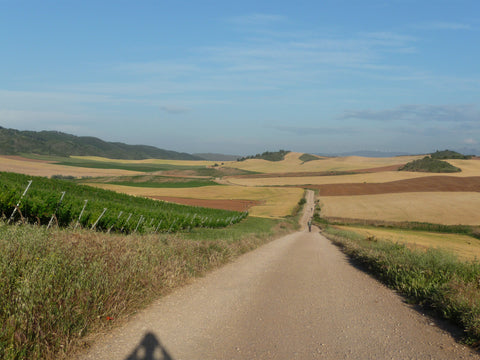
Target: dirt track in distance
(297, 297)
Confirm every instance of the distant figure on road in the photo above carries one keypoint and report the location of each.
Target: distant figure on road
(310, 225)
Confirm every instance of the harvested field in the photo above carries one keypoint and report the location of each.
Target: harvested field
(149, 161)
(470, 168)
(21, 158)
(274, 201)
(46, 168)
(421, 184)
(331, 179)
(449, 208)
(292, 163)
(236, 205)
(464, 246)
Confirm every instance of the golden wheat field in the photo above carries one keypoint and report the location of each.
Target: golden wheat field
(149, 161)
(468, 167)
(292, 163)
(275, 201)
(465, 247)
(449, 208)
(25, 166)
(378, 177)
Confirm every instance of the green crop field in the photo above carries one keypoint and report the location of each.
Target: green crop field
(103, 209)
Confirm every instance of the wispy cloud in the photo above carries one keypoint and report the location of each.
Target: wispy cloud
(174, 109)
(257, 19)
(419, 113)
(305, 131)
(442, 25)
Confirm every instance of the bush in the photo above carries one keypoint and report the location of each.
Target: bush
(428, 164)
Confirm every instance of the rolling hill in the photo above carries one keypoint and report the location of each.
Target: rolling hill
(55, 143)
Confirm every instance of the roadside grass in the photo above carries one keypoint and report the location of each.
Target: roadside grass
(58, 286)
(464, 246)
(433, 278)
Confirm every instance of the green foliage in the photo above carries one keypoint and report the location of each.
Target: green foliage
(433, 278)
(58, 286)
(448, 154)
(13, 142)
(147, 215)
(428, 164)
(268, 155)
(309, 157)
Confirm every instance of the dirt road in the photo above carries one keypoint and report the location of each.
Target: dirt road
(294, 298)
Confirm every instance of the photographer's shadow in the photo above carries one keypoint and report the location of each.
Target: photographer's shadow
(150, 348)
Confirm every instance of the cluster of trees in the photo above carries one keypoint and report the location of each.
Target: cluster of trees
(268, 155)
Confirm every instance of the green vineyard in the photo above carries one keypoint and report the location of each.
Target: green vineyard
(64, 203)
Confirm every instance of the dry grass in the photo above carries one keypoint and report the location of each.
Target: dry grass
(464, 246)
(276, 201)
(292, 163)
(434, 207)
(36, 168)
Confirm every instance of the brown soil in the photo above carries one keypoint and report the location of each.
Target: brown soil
(236, 205)
(421, 184)
(320, 173)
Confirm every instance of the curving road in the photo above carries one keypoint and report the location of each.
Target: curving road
(297, 297)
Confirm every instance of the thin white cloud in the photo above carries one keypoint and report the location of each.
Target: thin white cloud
(171, 109)
(257, 19)
(470, 141)
(315, 131)
(443, 25)
(419, 113)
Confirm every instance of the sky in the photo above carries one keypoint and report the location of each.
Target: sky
(243, 77)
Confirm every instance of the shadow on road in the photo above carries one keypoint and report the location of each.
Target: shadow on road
(150, 348)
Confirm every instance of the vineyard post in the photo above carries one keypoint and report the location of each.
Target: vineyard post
(18, 204)
(55, 213)
(126, 222)
(96, 222)
(138, 224)
(118, 217)
(158, 226)
(81, 213)
(171, 226)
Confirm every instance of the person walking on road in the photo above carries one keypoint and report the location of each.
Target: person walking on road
(310, 225)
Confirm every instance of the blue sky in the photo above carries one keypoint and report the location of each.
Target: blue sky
(242, 77)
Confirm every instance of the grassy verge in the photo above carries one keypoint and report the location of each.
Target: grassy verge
(435, 278)
(58, 286)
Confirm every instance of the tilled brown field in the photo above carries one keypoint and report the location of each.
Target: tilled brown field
(421, 184)
(236, 205)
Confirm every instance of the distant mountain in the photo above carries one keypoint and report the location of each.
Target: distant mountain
(14, 142)
(367, 153)
(217, 157)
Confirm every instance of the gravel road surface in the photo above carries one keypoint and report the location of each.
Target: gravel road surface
(297, 297)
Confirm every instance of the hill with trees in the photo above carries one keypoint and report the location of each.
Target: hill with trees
(268, 155)
(55, 143)
(449, 154)
(428, 164)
